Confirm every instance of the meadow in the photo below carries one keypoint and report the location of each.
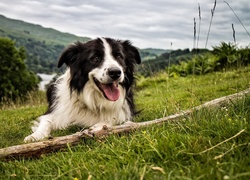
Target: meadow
(211, 143)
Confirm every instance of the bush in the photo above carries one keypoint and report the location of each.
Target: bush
(15, 80)
(223, 57)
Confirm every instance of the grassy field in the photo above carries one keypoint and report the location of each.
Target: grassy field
(209, 144)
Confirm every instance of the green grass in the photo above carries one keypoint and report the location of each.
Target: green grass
(174, 150)
(160, 95)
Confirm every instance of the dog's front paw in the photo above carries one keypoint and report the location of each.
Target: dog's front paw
(34, 137)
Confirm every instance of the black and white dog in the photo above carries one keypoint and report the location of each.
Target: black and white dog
(95, 90)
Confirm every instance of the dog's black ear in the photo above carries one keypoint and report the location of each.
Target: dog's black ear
(70, 54)
(132, 52)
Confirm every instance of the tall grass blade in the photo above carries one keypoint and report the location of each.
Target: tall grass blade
(194, 34)
(212, 15)
(199, 27)
(234, 34)
(169, 63)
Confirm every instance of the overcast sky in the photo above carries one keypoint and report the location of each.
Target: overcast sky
(148, 23)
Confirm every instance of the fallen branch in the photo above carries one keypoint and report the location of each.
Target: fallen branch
(36, 149)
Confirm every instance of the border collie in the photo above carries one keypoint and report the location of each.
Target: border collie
(95, 90)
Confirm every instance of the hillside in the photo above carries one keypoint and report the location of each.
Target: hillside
(21, 29)
(167, 58)
(157, 52)
(44, 45)
(151, 53)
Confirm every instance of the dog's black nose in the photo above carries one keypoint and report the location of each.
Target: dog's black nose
(114, 73)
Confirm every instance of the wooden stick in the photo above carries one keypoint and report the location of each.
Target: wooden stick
(36, 149)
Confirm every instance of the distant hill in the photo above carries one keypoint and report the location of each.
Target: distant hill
(44, 45)
(157, 52)
(162, 61)
(11, 27)
(151, 53)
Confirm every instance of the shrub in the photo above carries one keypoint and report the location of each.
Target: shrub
(15, 80)
(224, 56)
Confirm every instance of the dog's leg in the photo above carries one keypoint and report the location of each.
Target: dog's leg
(40, 129)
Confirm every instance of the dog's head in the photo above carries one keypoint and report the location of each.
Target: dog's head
(105, 62)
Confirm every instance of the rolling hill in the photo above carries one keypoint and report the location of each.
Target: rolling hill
(21, 29)
(44, 45)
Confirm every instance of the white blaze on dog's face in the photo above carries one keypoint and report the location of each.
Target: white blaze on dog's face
(108, 75)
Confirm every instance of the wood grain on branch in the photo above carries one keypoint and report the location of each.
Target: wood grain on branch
(36, 149)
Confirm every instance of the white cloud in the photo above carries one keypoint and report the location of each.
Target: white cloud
(146, 23)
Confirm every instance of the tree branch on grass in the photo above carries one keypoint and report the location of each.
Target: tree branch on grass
(36, 149)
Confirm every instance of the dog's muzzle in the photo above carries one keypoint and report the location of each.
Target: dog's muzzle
(110, 87)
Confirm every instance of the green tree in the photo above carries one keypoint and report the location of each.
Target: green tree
(15, 79)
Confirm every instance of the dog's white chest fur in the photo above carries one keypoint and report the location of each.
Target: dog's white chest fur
(89, 107)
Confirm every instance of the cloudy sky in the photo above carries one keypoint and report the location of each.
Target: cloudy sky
(148, 23)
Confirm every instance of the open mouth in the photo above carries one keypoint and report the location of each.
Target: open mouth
(110, 90)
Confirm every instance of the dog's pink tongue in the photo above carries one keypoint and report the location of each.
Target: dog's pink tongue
(111, 91)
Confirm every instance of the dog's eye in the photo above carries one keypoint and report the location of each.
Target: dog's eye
(96, 59)
(119, 57)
